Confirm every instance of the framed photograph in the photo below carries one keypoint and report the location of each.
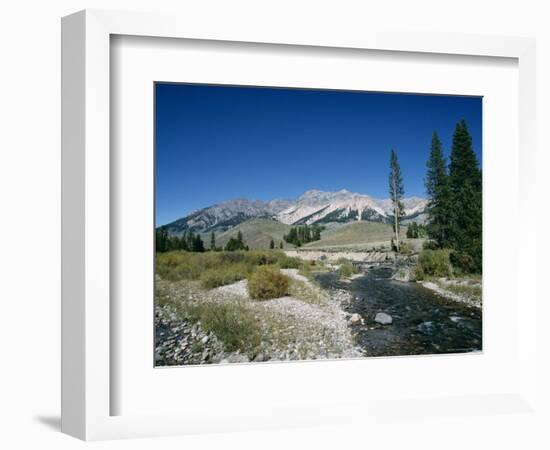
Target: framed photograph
(335, 262)
(254, 207)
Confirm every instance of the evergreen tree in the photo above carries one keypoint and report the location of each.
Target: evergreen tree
(421, 230)
(303, 234)
(281, 245)
(316, 233)
(198, 245)
(272, 244)
(161, 240)
(183, 243)
(397, 191)
(235, 244)
(292, 236)
(213, 241)
(173, 243)
(232, 245)
(439, 194)
(413, 231)
(191, 240)
(466, 191)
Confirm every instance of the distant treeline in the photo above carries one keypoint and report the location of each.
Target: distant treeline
(189, 242)
(303, 234)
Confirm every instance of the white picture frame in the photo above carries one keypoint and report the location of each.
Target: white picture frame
(87, 386)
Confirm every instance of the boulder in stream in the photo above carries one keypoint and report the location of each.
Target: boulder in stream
(383, 318)
(356, 318)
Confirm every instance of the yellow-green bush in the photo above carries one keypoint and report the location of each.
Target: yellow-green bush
(347, 269)
(287, 262)
(433, 263)
(232, 323)
(267, 282)
(418, 273)
(404, 248)
(180, 265)
(221, 276)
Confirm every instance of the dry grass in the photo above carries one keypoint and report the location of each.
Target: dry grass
(307, 292)
(355, 233)
(463, 290)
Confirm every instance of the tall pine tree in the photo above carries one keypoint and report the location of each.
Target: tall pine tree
(397, 191)
(439, 195)
(161, 240)
(466, 191)
(213, 241)
(198, 244)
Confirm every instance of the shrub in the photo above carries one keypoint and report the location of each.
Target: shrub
(259, 258)
(232, 257)
(430, 245)
(433, 263)
(232, 323)
(267, 282)
(463, 261)
(347, 269)
(404, 248)
(287, 262)
(181, 265)
(418, 273)
(212, 278)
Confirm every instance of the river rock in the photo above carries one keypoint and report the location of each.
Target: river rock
(259, 357)
(237, 358)
(425, 327)
(356, 318)
(383, 318)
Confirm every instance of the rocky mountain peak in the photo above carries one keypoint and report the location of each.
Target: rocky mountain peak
(313, 206)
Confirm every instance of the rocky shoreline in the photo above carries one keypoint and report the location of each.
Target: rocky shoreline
(443, 286)
(291, 329)
(440, 289)
(180, 342)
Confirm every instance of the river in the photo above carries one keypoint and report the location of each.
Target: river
(423, 322)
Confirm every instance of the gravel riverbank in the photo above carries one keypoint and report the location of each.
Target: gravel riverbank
(462, 291)
(290, 328)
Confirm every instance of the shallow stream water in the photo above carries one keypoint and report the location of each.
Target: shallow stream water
(423, 322)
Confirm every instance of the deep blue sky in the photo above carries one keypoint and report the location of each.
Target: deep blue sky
(215, 143)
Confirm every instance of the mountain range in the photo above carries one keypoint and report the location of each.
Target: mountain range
(313, 207)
